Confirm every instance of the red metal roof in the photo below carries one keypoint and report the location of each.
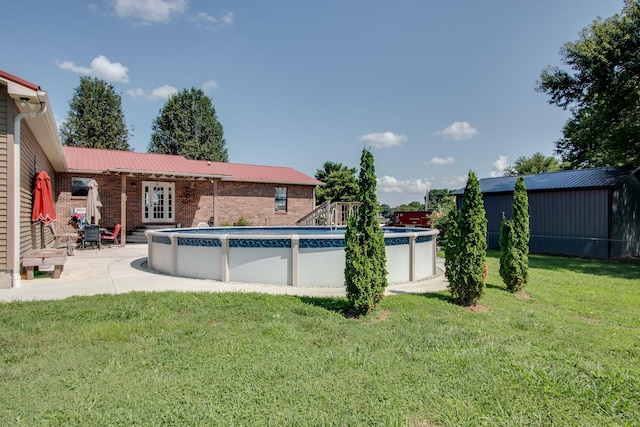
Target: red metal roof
(80, 159)
(7, 76)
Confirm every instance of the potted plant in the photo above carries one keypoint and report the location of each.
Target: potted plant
(77, 220)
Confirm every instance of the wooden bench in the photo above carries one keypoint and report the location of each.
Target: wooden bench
(44, 258)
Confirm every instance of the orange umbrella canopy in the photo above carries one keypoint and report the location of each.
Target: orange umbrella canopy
(43, 209)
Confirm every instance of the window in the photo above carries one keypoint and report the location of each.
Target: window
(80, 186)
(281, 199)
(158, 204)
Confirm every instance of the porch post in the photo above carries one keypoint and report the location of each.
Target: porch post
(123, 209)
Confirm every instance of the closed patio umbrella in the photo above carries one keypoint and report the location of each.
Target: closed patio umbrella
(93, 203)
(43, 210)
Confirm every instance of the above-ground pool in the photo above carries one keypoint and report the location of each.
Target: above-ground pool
(293, 256)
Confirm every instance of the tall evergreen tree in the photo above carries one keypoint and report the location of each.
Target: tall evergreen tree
(365, 252)
(514, 241)
(95, 118)
(468, 240)
(187, 125)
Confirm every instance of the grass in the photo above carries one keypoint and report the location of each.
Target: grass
(568, 353)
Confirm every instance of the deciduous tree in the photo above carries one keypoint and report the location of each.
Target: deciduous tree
(537, 163)
(340, 183)
(95, 118)
(187, 125)
(602, 91)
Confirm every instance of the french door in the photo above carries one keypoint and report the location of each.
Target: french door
(158, 201)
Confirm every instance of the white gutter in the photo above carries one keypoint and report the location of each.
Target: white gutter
(17, 189)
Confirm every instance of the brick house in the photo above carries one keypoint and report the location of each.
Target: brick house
(136, 189)
(140, 190)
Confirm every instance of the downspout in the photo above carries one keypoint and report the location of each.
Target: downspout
(16, 191)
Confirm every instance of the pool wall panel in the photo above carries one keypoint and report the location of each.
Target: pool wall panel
(160, 258)
(260, 265)
(200, 262)
(425, 260)
(321, 267)
(398, 263)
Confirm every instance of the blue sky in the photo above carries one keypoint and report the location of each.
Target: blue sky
(435, 88)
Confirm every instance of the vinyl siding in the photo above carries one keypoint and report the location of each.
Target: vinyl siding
(5, 275)
(33, 160)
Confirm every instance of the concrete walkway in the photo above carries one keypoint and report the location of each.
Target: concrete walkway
(120, 270)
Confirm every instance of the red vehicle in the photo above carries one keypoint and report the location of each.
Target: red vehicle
(411, 219)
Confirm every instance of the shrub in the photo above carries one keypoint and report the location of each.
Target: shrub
(452, 249)
(365, 255)
(466, 247)
(514, 241)
(439, 220)
(241, 222)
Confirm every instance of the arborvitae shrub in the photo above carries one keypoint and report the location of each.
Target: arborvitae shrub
(514, 241)
(467, 240)
(365, 266)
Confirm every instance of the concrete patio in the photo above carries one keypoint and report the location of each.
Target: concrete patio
(118, 270)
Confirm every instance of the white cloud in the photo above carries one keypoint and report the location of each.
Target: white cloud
(458, 131)
(59, 123)
(441, 161)
(209, 86)
(136, 93)
(499, 166)
(163, 92)
(101, 68)
(389, 184)
(149, 11)
(455, 182)
(212, 23)
(383, 139)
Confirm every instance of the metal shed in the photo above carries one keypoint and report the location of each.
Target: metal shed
(591, 213)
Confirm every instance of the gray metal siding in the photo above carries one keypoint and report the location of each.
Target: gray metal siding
(625, 219)
(572, 223)
(494, 206)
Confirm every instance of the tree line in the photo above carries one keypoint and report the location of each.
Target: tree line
(186, 125)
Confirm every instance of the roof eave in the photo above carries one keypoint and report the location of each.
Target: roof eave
(259, 181)
(168, 173)
(44, 126)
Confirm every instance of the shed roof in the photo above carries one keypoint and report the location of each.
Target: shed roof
(93, 160)
(604, 177)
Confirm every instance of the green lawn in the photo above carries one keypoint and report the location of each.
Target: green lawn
(567, 355)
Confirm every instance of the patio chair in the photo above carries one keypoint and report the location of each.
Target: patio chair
(91, 235)
(64, 240)
(112, 237)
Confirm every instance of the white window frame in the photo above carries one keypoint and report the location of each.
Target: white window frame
(168, 207)
(279, 198)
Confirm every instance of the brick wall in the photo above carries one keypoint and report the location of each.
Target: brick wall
(254, 202)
